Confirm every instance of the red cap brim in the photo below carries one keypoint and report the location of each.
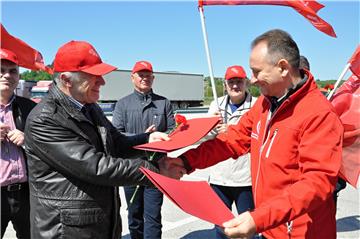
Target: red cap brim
(99, 69)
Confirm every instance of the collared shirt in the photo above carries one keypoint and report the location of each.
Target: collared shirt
(77, 104)
(12, 164)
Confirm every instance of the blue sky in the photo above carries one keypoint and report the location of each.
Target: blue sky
(168, 33)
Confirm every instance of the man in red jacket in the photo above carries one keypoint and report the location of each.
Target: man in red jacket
(295, 139)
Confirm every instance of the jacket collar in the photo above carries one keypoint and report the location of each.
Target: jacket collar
(306, 85)
(245, 105)
(62, 99)
(143, 97)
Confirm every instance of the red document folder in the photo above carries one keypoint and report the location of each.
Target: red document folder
(195, 198)
(184, 135)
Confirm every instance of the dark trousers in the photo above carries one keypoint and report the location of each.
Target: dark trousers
(15, 207)
(241, 196)
(144, 214)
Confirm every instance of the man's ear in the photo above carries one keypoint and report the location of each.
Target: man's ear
(284, 67)
(65, 79)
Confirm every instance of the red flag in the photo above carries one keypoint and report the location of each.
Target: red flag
(355, 62)
(347, 104)
(306, 8)
(28, 57)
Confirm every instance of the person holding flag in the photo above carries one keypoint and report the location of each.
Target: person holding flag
(295, 148)
(231, 179)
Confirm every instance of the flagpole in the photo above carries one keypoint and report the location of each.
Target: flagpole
(346, 68)
(203, 27)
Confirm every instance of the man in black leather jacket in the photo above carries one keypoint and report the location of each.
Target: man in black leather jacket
(76, 157)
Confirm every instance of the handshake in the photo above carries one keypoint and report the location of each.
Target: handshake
(172, 167)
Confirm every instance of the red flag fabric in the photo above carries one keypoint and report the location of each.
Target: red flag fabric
(307, 9)
(28, 57)
(195, 198)
(347, 104)
(355, 62)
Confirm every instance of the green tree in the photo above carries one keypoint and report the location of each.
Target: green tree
(35, 75)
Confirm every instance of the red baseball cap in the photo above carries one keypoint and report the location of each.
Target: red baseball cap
(142, 66)
(235, 72)
(8, 55)
(80, 56)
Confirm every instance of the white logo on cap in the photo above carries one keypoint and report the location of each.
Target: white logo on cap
(235, 70)
(144, 64)
(3, 53)
(93, 52)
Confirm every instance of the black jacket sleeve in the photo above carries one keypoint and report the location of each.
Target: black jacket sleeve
(71, 154)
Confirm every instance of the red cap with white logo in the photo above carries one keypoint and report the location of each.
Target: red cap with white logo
(142, 66)
(8, 55)
(235, 72)
(80, 56)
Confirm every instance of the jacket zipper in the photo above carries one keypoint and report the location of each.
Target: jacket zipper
(271, 143)
(267, 126)
(289, 228)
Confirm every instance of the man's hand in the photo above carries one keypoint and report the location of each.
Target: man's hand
(243, 226)
(158, 136)
(171, 167)
(151, 129)
(16, 137)
(4, 130)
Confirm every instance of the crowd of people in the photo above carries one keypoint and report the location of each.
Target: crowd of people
(62, 161)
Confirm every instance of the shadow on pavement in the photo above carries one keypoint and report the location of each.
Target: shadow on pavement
(347, 224)
(208, 234)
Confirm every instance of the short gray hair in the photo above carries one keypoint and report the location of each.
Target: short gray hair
(74, 76)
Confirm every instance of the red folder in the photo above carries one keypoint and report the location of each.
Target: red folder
(183, 136)
(195, 198)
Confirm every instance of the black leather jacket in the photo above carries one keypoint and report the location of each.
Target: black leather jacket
(75, 166)
(21, 108)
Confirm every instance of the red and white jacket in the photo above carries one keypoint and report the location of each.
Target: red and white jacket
(295, 159)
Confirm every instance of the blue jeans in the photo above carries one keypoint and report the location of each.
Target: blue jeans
(144, 214)
(241, 196)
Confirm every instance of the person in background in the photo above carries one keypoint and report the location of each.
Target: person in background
(295, 148)
(76, 158)
(341, 183)
(143, 111)
(231, 179)
(14, 110)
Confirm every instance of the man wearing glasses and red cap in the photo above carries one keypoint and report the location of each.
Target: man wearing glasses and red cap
(15, 205)
(139, 112)
(231, 179)
(76, 157)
